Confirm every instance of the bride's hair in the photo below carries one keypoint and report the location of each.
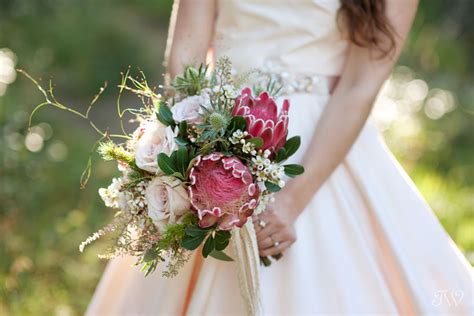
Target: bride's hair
(367, 25)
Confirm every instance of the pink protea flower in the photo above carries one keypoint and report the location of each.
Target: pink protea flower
(222, 191)
(263, 120)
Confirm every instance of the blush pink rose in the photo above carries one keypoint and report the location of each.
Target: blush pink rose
(222, 191)
(154, 138)
(167, 201)
(189, 109)
(263, 119)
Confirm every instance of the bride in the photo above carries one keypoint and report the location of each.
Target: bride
(356, 236)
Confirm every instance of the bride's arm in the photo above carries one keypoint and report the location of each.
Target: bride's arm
(192, 34)
(348, 108)
(338, 128)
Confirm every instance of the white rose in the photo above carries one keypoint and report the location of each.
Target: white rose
(167, 201)
(156, 139)
(189, 109)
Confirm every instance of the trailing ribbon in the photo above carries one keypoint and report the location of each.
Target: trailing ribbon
(248, 264)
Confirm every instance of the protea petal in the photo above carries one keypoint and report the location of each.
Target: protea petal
(252, 189)
(269, 124)
(267, 136)
(220, 187)
(286, 106)
(263, 119)
(256, 127)
(227, 221)
(208, 220)
(246, 92)
(240, 111)
(263, 97)
(281, 141)
(280, 130)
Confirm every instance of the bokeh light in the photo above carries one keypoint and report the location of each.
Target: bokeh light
(7, 69)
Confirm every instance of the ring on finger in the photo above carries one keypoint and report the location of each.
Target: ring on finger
(262, 223)
(275, 243)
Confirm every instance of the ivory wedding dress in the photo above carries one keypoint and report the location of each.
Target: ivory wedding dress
(367, 243)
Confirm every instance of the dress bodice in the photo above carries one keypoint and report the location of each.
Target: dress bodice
(299, 36)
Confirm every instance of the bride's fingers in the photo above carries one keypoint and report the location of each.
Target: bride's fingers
(270, 241)
(265, 243)
(275, 250)
(269, 229)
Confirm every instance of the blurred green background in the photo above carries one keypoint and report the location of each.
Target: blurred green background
(426, 111)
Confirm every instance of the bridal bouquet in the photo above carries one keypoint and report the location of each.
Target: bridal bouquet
(205, 157)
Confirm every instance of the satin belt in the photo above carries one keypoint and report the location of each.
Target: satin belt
(287, 82)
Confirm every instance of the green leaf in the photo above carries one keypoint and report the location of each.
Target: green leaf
(209, 246)
(164, 115)
(191, 243)
(257, 141)
(182, 159)
(178, 175)
(237, 122)
(194, 231)
(220, 255)
(280, 155)
(222, 239)
(272, 187)
(181, 141)
(166, 164)
(293, 170)
(183, 128)
(292, 145)
(151, 254)
(221, 244)
(224, 234)
(191, 161)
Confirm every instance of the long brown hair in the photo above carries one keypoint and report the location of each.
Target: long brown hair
(366, 24)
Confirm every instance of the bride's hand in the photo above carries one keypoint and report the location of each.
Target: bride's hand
(275, 229)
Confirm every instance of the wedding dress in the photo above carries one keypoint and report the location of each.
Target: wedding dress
(367, 242)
